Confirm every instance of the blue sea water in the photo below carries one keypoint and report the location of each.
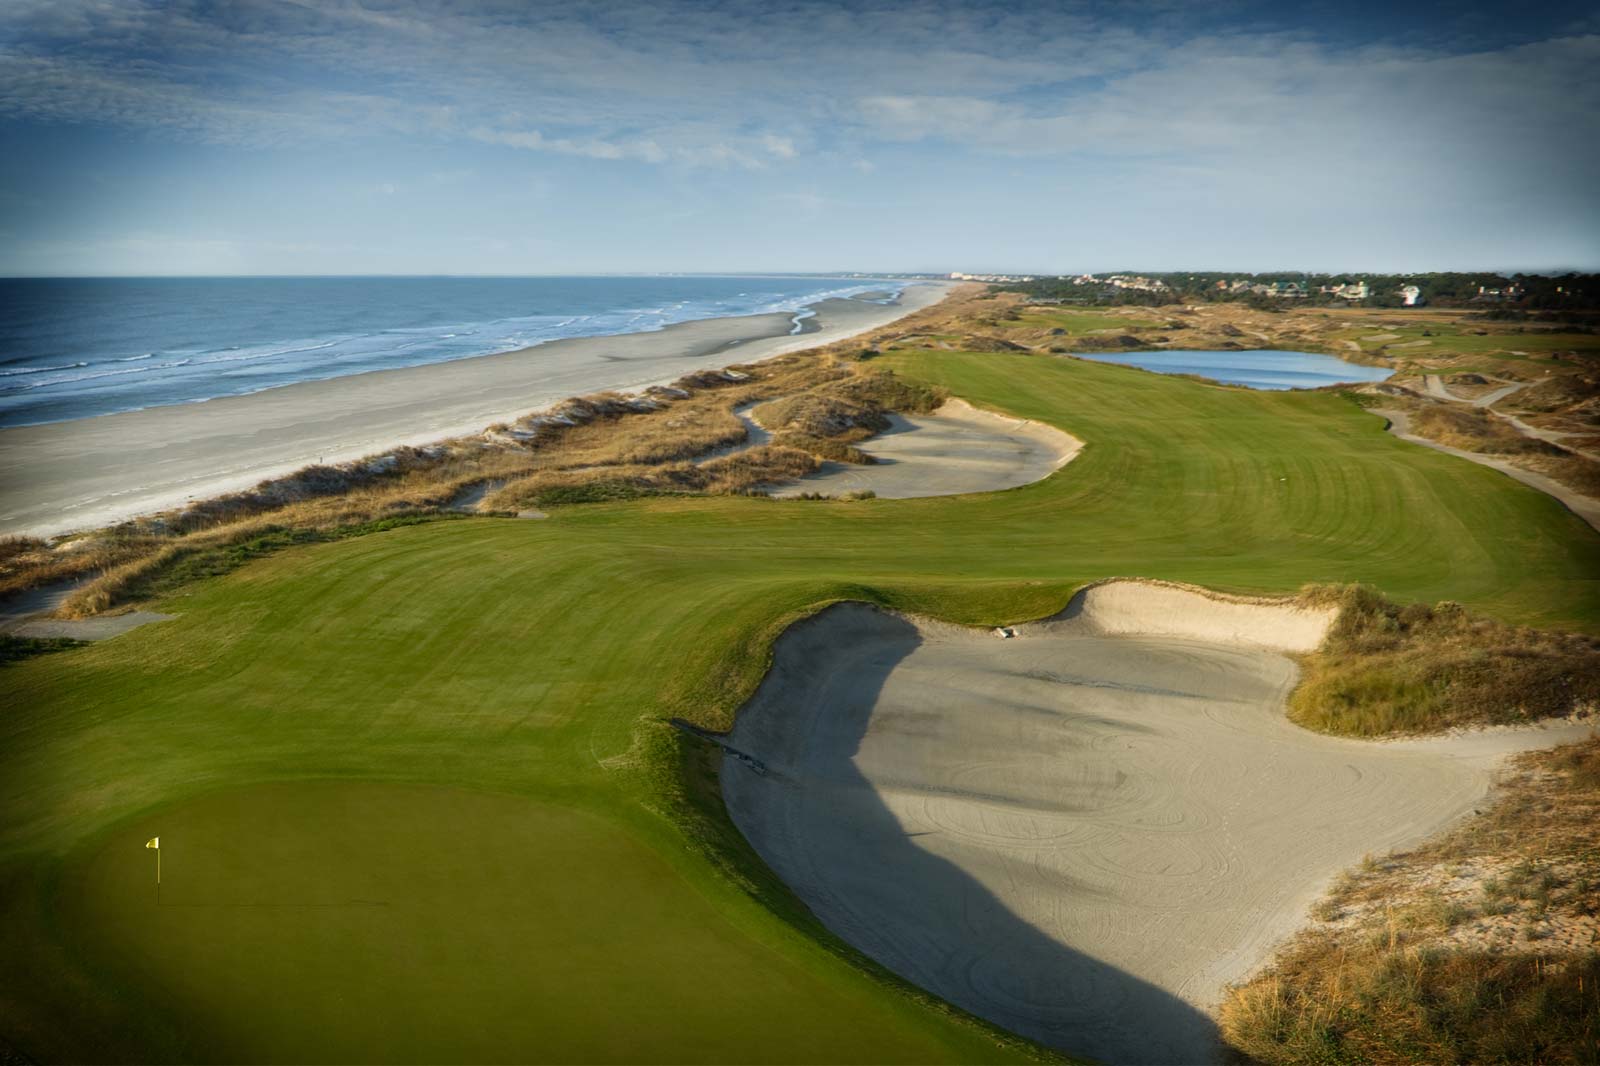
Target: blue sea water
(1260, 369)
(75, 347)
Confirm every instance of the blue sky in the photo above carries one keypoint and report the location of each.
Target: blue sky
(491, 136)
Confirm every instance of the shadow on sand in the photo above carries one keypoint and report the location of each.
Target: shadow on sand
(826, 830)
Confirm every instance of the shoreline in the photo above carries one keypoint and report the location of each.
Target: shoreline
(62, 477)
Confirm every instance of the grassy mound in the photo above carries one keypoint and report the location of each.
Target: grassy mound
(1475, 430)
(1391, 669)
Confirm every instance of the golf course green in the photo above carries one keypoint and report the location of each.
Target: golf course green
(417, 795)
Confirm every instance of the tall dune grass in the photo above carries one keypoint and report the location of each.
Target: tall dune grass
(1385, 668)
(1396, 969)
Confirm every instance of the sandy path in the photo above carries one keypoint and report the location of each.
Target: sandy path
(30, 615)
(470, 499)
(95, 471)
(1549, 436)
(1433, 384)
(1585, 507)
(755, 433)
(956, 449)
(1080, 835)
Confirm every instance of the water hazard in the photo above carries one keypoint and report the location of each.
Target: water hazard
(1264, 369)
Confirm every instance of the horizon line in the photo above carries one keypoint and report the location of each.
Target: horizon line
(1545, 272)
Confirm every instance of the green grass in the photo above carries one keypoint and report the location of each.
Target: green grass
(1078, 322)
(15, 649)
(538, 659)
(442, 900)
(1447, 339)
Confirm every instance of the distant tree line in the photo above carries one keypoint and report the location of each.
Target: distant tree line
(1507, 295)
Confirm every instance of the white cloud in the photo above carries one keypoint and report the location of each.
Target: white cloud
(798, 84)
(782, 147)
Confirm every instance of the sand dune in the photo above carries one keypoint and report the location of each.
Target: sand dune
(1082, 833)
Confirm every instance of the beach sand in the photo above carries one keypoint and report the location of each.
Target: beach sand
(96, 471)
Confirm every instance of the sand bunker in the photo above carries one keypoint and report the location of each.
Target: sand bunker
(1082, 833)
(954, 450)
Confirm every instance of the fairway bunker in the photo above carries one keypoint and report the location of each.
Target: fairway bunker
(956, 449)
(1084, 832)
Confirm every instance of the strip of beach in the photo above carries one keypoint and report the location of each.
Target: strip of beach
(94, 472)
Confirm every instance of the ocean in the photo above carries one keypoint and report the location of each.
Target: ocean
(77, 347)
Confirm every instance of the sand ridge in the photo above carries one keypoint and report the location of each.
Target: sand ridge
(1083, 832)
(1173, 609)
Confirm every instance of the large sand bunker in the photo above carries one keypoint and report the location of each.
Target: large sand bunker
(1082, 833)
(956, 449)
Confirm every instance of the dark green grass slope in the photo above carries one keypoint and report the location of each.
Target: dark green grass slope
(538, 659)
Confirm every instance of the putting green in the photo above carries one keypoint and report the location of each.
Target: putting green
(330, 921)
(540, 659)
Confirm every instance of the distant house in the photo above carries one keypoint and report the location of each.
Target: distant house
(1138, 283)
(1492, 295)
(958, 275)
(1353, 290)
(1282, 290)
(1411, 296)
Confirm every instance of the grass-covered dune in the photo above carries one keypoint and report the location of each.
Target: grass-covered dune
(596, 904)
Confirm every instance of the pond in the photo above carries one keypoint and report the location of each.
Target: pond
(1263, 369)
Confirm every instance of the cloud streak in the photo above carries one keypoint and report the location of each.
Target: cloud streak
(686, 83)
(801, 101)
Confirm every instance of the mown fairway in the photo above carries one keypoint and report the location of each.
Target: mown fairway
(536, 659)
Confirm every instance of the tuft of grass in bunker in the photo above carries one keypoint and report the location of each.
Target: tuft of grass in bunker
(828, 422)
(1386, 668)
(1476, 947)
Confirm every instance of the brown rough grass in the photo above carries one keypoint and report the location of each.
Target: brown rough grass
(1474, 430)
(1402, 964)
(1385, 668)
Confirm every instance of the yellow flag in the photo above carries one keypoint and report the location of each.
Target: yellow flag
(153, 842)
